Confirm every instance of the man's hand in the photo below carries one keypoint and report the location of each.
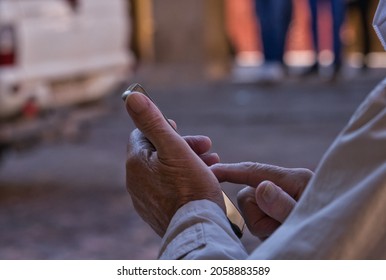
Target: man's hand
(271, 194)
(164, 170)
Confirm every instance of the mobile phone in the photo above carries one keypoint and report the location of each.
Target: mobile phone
(234, 216)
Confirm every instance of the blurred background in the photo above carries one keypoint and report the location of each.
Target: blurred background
(63, 126)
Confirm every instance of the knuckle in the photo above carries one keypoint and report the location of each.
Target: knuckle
(304, 175)
(252, 169)
(153, 123)
(242, 194)
(245, 195)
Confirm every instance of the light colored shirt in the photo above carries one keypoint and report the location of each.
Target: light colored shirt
(341, 214)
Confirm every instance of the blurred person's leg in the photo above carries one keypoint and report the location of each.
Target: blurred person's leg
(241, 26)
(364, 8)
(243, 32)
(264, 11)
(274, 17)
(338, 11)
(314, 24)
(282, 16)
(313, 6)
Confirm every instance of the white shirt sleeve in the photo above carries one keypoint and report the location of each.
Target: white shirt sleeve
(201, 230)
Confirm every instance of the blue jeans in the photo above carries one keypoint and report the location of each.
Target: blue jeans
(275, 17)
(337, 12)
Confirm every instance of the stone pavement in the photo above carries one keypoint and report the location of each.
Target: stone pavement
(68, 200)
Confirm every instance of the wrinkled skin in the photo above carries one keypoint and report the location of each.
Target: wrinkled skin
(164, 171)
(271, 193)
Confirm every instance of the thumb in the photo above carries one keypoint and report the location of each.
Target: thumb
(151, 122)
(275, 202)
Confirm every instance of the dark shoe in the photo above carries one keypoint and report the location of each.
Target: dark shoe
(311, 71)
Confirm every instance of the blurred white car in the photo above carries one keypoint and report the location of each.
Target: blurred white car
(60, 53)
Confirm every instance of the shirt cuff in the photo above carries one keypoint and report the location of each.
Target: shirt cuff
(201, 230)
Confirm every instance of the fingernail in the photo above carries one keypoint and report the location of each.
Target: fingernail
(269, 193)
(136, 102)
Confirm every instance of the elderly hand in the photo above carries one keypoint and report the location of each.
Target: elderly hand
(271, 194)
(164, 170)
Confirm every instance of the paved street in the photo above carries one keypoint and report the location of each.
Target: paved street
(68, 200)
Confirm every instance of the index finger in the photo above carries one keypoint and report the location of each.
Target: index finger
(292, 180)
